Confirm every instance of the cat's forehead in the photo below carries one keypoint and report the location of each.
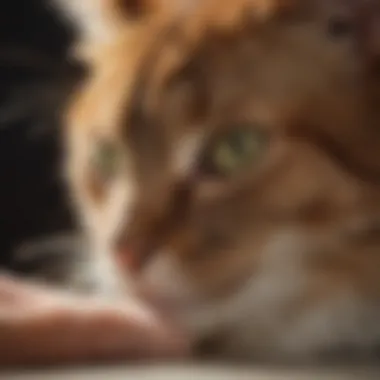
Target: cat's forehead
(185, 65)
(205, 62)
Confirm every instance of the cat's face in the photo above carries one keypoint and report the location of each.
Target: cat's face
(232, 164)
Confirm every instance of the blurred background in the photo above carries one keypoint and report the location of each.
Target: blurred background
(35, 78)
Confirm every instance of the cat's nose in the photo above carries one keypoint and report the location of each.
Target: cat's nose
(132, 256)
(127, 259)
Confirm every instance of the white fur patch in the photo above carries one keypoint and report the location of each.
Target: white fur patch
(342, 320)
(163, 274)
(100, 274)
(89, 17)
(102, 225)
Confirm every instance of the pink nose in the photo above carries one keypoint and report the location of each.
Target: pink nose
(133, 255)
(128, 259)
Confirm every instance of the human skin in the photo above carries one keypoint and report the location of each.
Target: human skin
(41, 326)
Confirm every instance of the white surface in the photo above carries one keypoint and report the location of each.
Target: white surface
(194, 372)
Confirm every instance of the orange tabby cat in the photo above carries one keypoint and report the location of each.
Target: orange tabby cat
(228, 154)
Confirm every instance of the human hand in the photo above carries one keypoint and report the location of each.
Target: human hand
(42, 326)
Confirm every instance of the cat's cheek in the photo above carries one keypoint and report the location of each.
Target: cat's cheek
(260, 297)
(164, 284)
(105, 220)
(99, 271)
(164, 281)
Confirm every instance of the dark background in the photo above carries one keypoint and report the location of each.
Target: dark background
(34, 80)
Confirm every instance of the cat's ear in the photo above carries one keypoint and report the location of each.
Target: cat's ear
(98, 21)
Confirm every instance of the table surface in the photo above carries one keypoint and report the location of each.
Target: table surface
(193, 372)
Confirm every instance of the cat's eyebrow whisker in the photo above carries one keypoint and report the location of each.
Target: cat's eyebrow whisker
(59, 244)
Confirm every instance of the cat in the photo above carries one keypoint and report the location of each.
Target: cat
(224, 157)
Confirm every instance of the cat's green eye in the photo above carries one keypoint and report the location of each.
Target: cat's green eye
(235, 150)
(106, 160)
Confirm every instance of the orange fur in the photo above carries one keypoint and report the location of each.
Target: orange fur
(271, 259)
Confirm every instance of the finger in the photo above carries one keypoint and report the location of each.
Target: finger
(16, 290)
(132, 326)
(82, 335)
(9, 287)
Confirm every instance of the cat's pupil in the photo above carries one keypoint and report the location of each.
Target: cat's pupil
(238, 143)
(339, 26)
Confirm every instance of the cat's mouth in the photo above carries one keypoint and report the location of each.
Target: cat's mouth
(166, 304)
